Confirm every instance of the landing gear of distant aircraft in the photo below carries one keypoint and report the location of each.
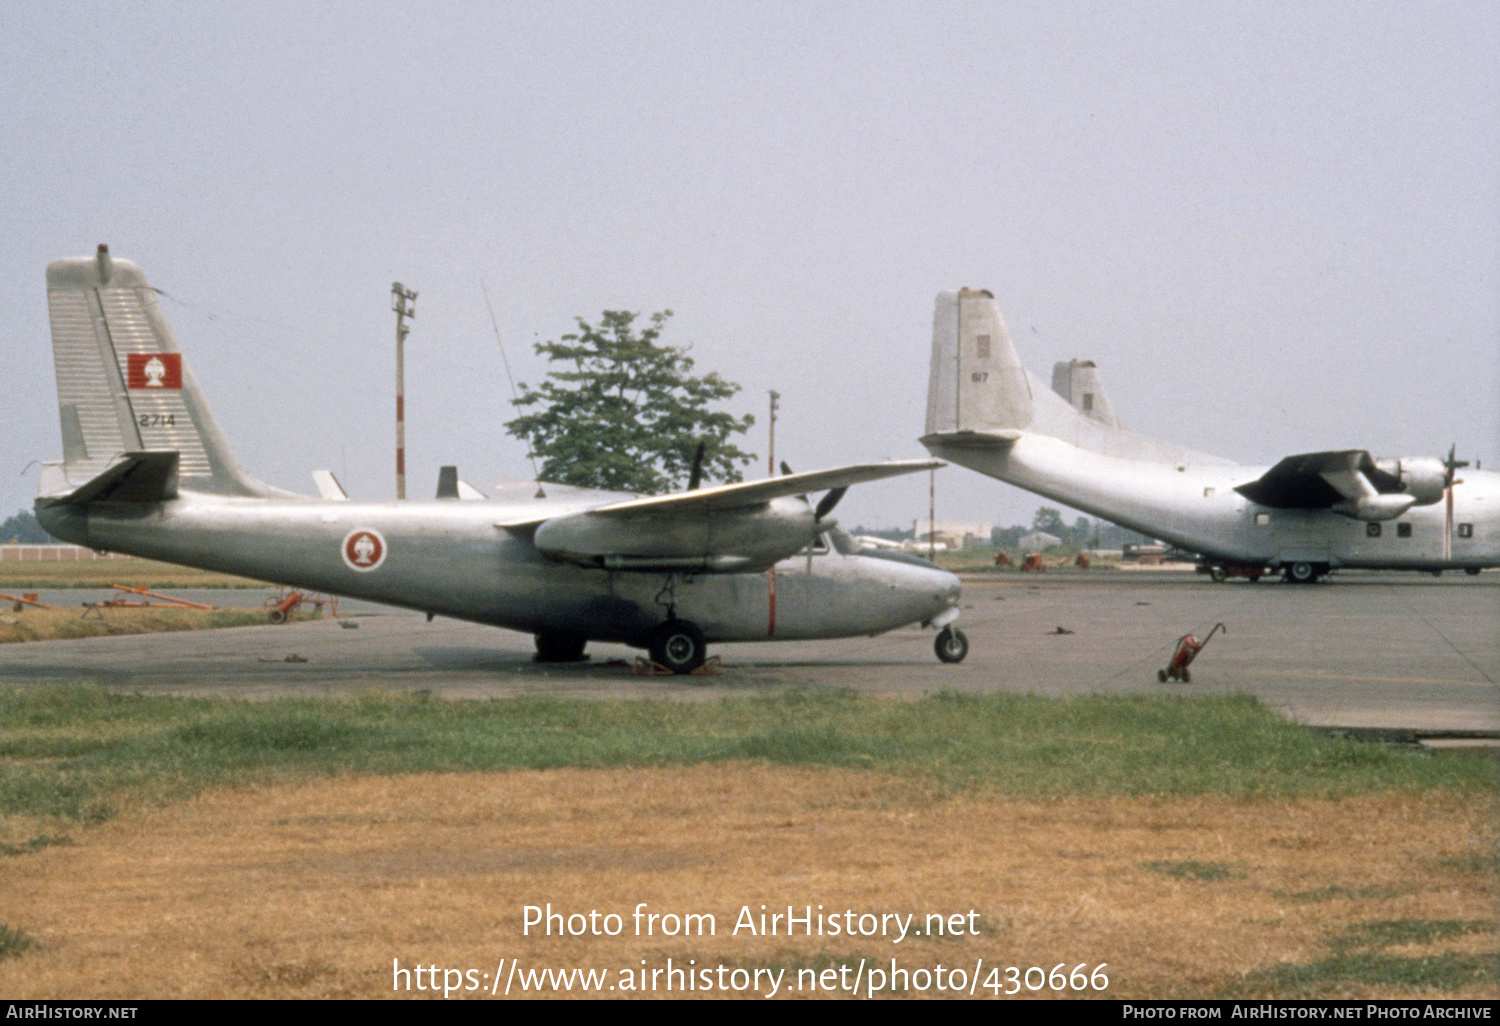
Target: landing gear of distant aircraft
(678, 645)
(1218, 575)
(1472, 571)
(1303, 573)
(951, 645)
(560, 648)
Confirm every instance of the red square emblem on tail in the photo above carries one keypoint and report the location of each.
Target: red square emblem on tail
(148, 371)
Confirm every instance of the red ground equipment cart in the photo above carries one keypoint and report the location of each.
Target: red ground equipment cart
(1186, 651)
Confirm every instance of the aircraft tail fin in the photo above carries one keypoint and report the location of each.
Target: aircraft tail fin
(977, 384)
(1079, 383)
(123, 386)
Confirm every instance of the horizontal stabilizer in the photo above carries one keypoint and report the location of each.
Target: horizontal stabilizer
(998, 439)
(135, 477)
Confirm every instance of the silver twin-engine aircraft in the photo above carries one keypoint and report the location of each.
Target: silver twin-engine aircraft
(145, 471)
(1306, 515)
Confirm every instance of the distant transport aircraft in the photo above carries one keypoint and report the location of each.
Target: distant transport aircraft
(145, 471)
(1306, 515)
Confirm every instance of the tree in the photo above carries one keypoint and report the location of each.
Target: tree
(23, 528)
(1083, 532)
(626, 413)
(1049, 520)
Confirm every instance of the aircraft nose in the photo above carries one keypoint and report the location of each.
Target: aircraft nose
(946, 590)
(953, 592)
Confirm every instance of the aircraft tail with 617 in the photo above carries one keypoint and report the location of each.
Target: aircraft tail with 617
(1309, 513)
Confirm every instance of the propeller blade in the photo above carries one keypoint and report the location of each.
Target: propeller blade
(1453, 464)
(695, 476)
(826, 504)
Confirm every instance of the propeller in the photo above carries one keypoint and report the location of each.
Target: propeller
(1452, 465)
(824, 507)
(695, 476)
(826, 504)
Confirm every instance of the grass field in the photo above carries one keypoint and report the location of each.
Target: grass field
(69, 752)
(101, 573)
(1202, 847)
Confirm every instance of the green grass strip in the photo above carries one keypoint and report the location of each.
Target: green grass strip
(66, 751)
(1358, 962)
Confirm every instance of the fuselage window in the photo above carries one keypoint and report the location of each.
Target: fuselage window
(1466, 530)
(1208, 493)
(1403, 530)
(1372, 529)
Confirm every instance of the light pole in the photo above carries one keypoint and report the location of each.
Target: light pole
(771, 460)
(400, 297)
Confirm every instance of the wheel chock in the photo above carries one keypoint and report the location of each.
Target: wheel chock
(643, 667)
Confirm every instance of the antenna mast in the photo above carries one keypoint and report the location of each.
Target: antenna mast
(514, 396)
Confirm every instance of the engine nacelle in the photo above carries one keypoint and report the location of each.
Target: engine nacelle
(1375, 507)
(723, 541)
(1422, 477)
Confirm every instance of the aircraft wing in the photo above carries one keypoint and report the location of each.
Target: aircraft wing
(758, 493)
(730, 528)
(742, 494)
(1346, 481)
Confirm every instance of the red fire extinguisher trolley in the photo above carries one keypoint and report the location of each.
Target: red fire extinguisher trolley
(1186, 651)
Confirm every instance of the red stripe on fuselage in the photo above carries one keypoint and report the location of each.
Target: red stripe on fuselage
(771, 593)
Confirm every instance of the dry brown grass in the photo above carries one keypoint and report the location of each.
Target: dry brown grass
(101, 573)
(311, 890)
(56, 624)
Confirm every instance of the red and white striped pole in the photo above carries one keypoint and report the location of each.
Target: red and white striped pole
(771, 472)
(400, 296)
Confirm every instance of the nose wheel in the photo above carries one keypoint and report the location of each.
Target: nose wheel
(951, 645)
(678, 645)
(560, 648)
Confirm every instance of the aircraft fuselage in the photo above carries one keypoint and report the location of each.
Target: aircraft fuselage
(448, 558)
(1196, 507)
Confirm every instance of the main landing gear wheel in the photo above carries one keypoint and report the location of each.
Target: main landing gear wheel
(678, 645)
(951, 645)
(1218, 575)
(1302, 573)
(560, 648)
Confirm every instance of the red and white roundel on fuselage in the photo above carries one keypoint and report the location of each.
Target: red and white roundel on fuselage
(364, 549)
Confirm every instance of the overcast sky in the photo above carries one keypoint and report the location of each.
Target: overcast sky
(1276, 227)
